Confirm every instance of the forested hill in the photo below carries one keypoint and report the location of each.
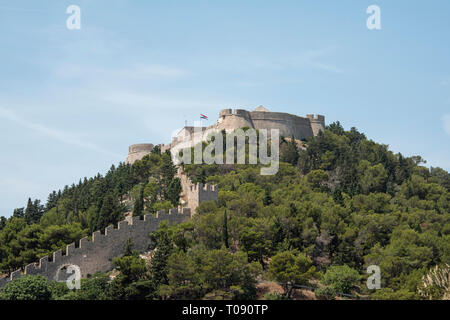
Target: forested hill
(76, 211)
(337, 206)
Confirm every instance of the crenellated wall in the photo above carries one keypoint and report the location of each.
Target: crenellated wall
(289, 125)
(317, 123)
(96, 255)
(194, 194)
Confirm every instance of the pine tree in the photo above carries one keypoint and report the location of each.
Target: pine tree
(52, 200)
(19, 213)
(33, 211)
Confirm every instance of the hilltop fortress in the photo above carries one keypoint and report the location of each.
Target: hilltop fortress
(289, 125)
(95, 254)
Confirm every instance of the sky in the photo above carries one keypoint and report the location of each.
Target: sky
(72, 101)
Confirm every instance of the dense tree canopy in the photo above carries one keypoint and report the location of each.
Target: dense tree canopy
(337, 205)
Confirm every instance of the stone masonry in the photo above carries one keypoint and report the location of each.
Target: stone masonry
(96, 255)
(194, 194)
(289, 125)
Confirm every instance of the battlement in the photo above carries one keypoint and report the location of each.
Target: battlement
(96, 255)
(235, 112)
(200, 187)
(165, 147)
(225, 112)
(288, 125)
(198, 193)
(143, 147)
(194, 194)
(317, 123)
(241, 113)
(316, 117)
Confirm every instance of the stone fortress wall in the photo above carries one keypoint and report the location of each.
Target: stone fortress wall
(317, 123)
(138, 151)
(194, 194)
(96, 255)
(289, 125)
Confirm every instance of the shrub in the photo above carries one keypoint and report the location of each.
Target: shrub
(341, 278)
(27, 288)
(325, 293)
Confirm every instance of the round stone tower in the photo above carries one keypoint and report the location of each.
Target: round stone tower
(138, 151)
(233, 120)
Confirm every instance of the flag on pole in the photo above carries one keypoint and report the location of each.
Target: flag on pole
(202, 116)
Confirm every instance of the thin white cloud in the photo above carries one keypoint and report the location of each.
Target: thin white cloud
(249, 84)
(140, 71)
(314, 59)
(22, 9)
(155, 102)
(307, 59)
(53, 133)
(157, 70)
(446, 122)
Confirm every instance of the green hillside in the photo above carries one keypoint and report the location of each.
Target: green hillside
(334, 208)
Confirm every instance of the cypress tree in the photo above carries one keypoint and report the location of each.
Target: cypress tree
(158, 267)
(109, 212)
(225, 229)
(202, 176)
(173, 191)
(139, 204)
(29, 211)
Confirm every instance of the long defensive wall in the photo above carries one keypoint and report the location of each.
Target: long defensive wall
(96, 255)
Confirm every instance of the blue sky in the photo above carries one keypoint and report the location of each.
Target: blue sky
(71, 101)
